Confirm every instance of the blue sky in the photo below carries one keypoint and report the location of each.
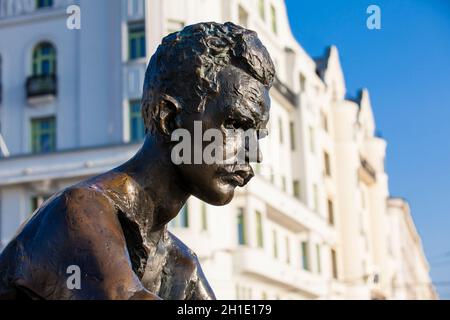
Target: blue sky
(406, 67)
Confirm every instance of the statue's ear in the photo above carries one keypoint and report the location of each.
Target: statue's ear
(168, 109)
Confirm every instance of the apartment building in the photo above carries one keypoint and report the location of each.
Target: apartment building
(410, 279)
(313, 222)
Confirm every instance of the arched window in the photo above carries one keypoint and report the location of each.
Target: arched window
(44, 60)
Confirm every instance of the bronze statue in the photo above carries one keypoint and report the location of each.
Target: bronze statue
(113, 227)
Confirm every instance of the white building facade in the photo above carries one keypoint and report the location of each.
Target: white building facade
(410, 279)
(313, 222)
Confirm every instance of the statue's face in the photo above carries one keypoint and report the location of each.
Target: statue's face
(242, 104)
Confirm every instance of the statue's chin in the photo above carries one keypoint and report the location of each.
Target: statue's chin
(219, 198)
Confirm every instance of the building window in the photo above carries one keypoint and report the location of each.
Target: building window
(182, 219)
(273, 14)
(330, 212)
(275, 244)
(292, 135)
(43, 135)
(305, 256)
(326, 159)
(44, 4)
(174, 25)
(262, 9)
(241, 227)
(136, 40)
(44, 60)
(302, 82)
(312, 142)
(296, 189)
(259, 230)
(137, 127)
(288, 251)
(316, 197)
(280, 130)
(243, 17)
(324, 122)
(334, 264)
(204, 217)
(37, 201)
(319, 265)
(283, 183)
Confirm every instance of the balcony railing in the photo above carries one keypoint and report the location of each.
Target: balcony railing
(40, 86)
(285, 91)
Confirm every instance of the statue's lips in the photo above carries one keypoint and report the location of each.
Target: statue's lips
(239, 177)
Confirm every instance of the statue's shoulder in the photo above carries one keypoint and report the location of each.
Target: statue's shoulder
(102, 193)
(87, 198)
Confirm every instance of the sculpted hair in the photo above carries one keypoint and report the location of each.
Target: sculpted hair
(186, 65)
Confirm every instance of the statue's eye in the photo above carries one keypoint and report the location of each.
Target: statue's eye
(243, 124)
(230, 124)
(233, 124)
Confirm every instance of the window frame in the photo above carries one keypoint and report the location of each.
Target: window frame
(330, 207)
(259, 229)
(136, 32)
(334, 266)
(262, 9)
(135, 115)
(275, 244)
(327, 163)
(292, 135)
(204, 217)
(273, 18)
(182, 218)
(38, 59)
(305, 255)
(36, 133)
(242, 237)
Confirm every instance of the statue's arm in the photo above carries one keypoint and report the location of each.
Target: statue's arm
(92, 239)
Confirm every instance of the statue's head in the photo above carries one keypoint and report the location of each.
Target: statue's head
(210, 76)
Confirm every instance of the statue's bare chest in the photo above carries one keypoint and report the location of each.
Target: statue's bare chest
(170, 272)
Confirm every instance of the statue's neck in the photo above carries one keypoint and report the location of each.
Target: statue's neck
(155, 174)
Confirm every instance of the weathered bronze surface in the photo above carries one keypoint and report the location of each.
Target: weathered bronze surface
(114, 226)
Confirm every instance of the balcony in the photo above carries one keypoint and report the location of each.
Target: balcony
(41, 89)
(366, 172)
(286, 210)
(287, 93)
(258, 264)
